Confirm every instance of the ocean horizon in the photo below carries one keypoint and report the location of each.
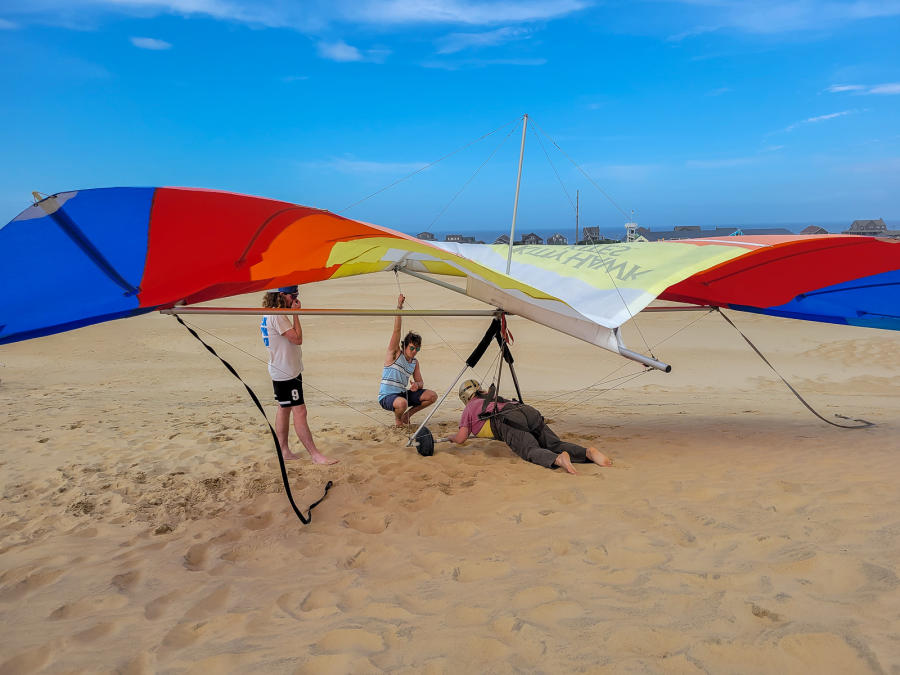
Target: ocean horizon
(488, 236)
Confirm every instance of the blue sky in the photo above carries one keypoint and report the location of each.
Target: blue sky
(687, 111)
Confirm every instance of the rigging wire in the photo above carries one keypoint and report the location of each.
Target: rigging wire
(305, 383)
(471, 178)
(605, 379)
(428, 166)
(592, 247)
(553, 166)
(583, 172)
(428, 323)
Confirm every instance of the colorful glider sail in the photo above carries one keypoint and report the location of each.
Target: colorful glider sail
(83, 257)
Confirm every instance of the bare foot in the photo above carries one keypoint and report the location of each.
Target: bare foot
(405, 417)
(398, 422)
(319, 458)
(598, 457)
(563, 460)
(288, 455)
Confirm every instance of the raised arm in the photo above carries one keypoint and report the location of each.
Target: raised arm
(393, 348)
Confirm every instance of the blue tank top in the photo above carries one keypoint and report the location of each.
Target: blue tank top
(395, 377)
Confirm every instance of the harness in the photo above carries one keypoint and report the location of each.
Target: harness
(510, 406)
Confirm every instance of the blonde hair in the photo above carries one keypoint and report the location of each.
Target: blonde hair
(274, 300)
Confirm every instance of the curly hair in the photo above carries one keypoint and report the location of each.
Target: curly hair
(275, 300)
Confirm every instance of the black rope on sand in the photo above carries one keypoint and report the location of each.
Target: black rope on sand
(284, 477)
(862, 423)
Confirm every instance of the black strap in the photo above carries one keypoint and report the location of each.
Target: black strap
(284, 477)
(862, 423)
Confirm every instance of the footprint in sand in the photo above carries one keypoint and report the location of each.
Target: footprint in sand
(30, 584)
(88, 606)
(157, 608)
(95, 632)
(126, 581)
(212, 604)
(345, 640)
(195, 558)
(29, 661)
(366, 522)
(260, 521)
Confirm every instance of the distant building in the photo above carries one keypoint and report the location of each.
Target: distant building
(425, 236)
(814, 229)
(590, 235)
(871, 228)
(557, 240)
(694, 232)
(457, 238)
(531, 238)
(502, 239)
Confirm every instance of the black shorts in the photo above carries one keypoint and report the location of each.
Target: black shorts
(289, 393)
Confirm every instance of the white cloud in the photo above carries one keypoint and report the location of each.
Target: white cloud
(835, 88)
(7, 25)
(315, 15)
(819, 118)
(889, 88)
(482, 63)
(886, 88)
(456, 42)
(150, 43)
(781, 16)
(339, 51)
(470, 12)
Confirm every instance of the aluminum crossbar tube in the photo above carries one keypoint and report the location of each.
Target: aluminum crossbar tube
(432, 280)
(646, 360)
(257, 311)
(685, 308)
(437, 405)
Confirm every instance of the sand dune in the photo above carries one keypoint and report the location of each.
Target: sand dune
(145, 528)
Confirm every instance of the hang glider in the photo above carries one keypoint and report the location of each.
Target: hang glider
(88, 256)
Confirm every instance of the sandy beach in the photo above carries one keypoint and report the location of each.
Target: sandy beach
(145, 529)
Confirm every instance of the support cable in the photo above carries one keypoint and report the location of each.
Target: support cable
(307, 519)
(471, 178)
(583, 172)
(305, 384)
(427, 322)
(862, 423)
(593, 247)
(427, 166)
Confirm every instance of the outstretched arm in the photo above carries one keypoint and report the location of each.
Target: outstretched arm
(460, 437)
(393, 348)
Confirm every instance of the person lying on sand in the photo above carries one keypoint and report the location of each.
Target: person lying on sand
(396, 393)
(282, 335)
(521, 427)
